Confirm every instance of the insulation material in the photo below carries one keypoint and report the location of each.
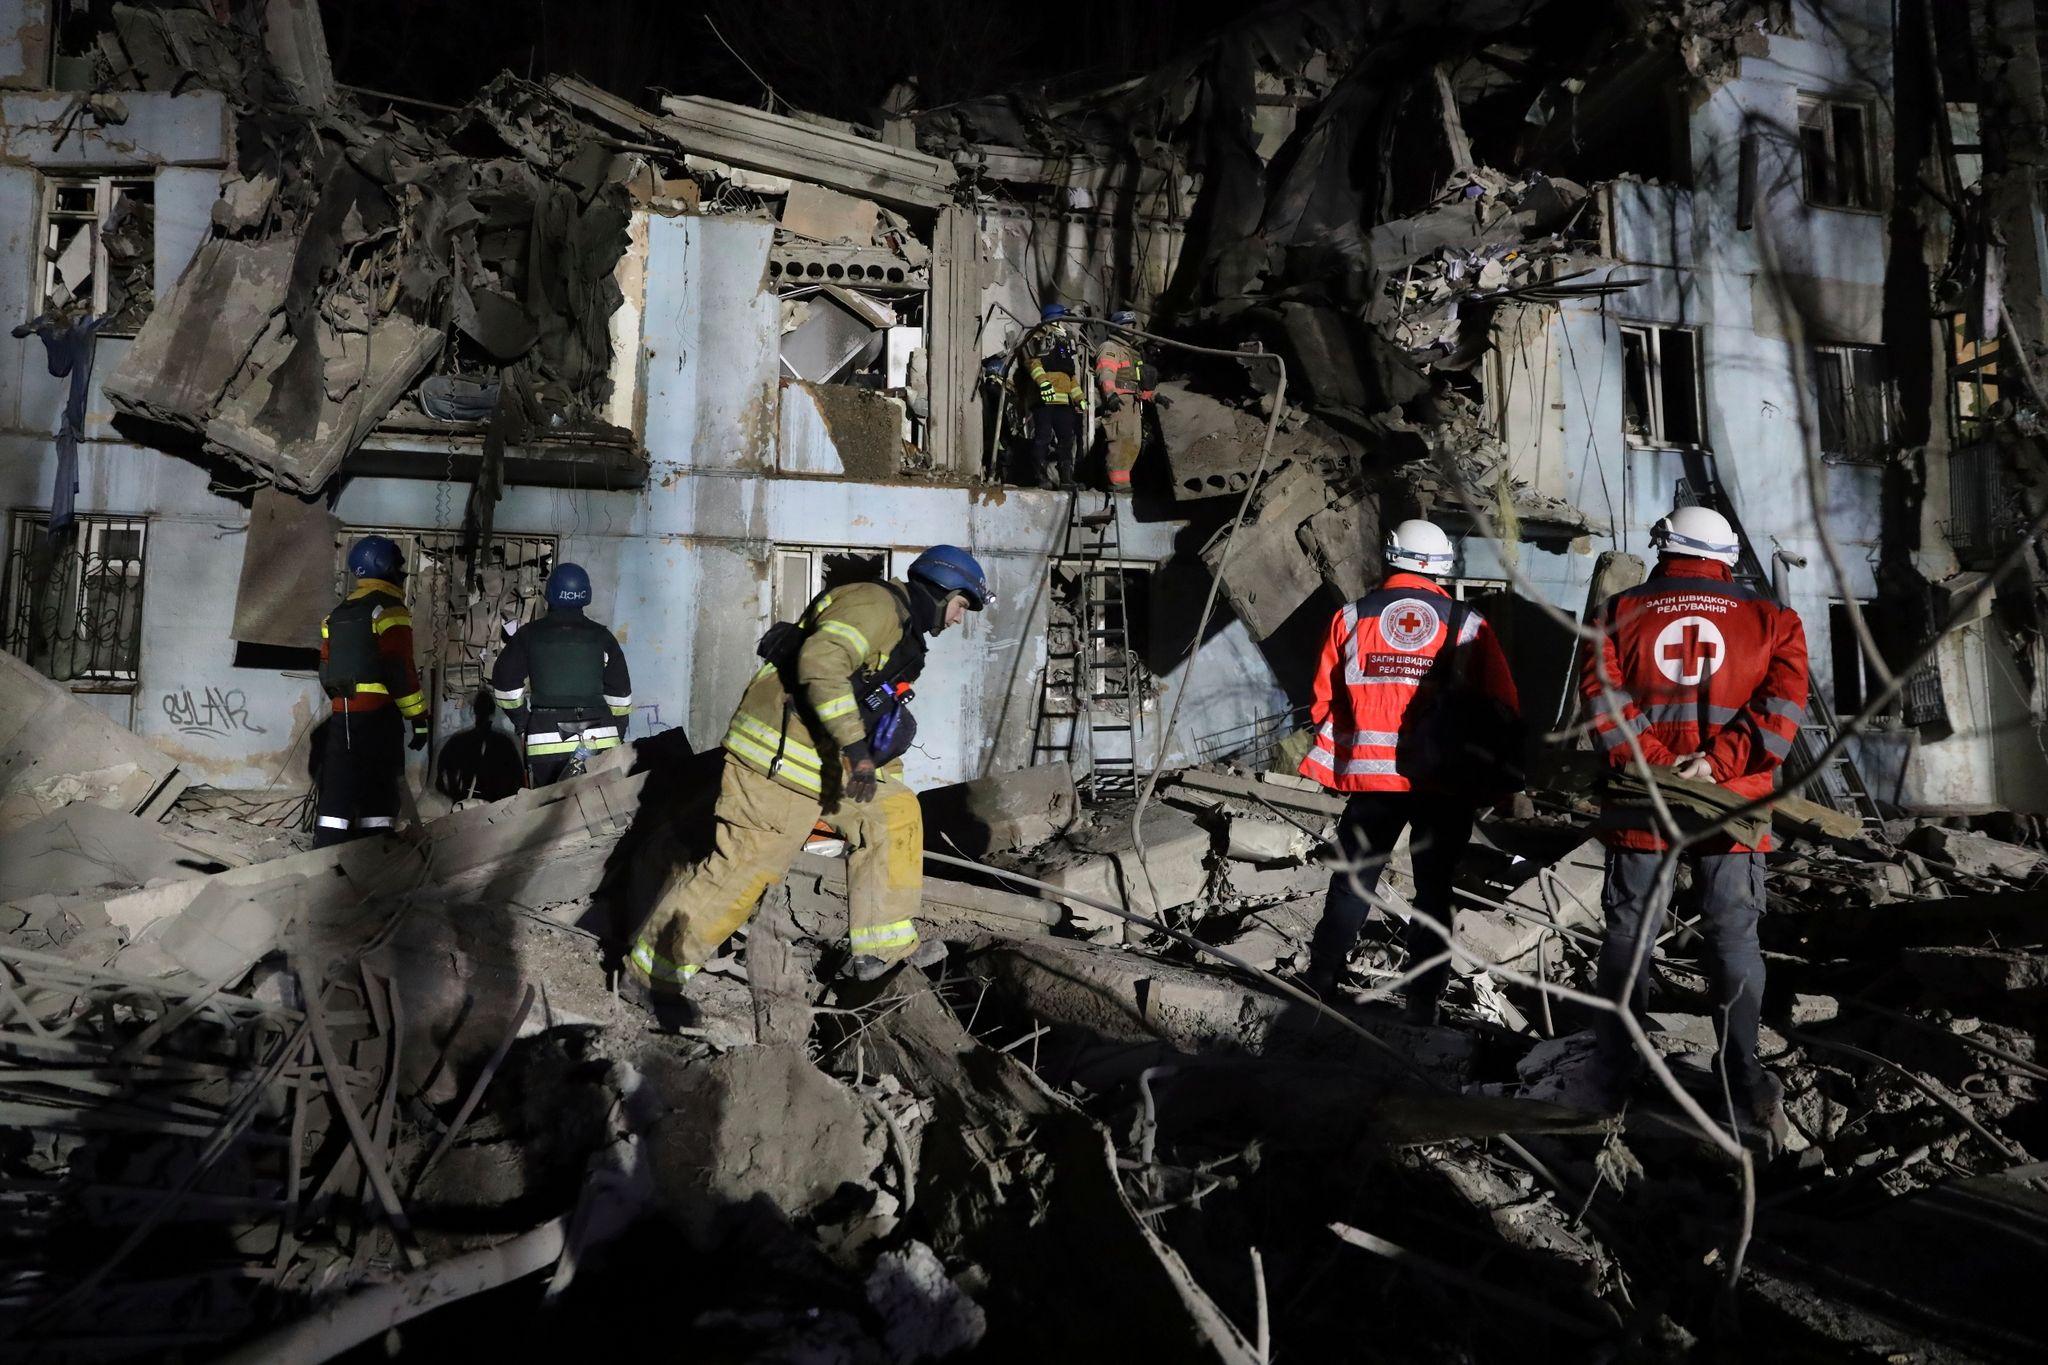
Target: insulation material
(287, 571)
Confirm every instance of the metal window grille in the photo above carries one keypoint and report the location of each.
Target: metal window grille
(1856, 402)
(460, 610)
(74, 601)
(99, 249)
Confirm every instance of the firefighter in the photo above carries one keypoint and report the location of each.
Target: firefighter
(1708, 678)
(1416, 718)
(816, 738)
(374, 694)
(1052, 354)
(1124, 392)
(563, 681)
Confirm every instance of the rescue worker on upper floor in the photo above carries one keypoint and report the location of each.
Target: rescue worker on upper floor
(1054, 358)
(374, 694)
(1707, 678)
(1124, 391)
(563, 681)
(1417, 718)
(817, 738)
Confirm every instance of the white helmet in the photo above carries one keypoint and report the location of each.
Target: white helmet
(1697, 532)
(1421, 546)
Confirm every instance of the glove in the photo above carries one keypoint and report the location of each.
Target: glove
(1112, 402)
(1045, 391)
(419, 734)
(860, 772)
(1161, 401)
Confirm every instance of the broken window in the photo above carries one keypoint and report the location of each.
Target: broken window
(1856, 682)
(804, 571)
(462, 613)
(1834, 144)
(99, 249)
(1661, 389)
(1472, 589)
(1973, 382)
(74, 603)
(1856, 401)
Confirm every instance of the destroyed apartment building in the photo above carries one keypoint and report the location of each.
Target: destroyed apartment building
(1537, 272)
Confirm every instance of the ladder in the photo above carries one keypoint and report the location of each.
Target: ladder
(1091, 689)
(1837, 782)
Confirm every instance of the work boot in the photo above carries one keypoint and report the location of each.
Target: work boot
(1766, 1114)
(1320, 980)
(670, 1008)
(865, 967)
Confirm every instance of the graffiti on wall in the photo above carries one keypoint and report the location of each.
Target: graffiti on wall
(215, 713)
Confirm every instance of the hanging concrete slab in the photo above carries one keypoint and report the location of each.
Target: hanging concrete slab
(55, 750)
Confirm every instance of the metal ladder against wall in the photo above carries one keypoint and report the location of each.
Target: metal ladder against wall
(1837, 782)
(1102, 700)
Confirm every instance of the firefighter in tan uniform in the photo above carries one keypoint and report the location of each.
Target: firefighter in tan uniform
(1124, 391)
(817, 737)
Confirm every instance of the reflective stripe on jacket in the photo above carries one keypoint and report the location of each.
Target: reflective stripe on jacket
(1053, 359)
(397, 681)
(1693, 662)
(777, 735)
(1112, 361)
(1378, 654)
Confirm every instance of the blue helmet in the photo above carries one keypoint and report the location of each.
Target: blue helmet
(1124, 317)
(568, 586)
(376, 557)
(1052, 311)
(951, 569)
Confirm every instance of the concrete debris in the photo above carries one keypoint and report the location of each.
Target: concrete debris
(55, 750)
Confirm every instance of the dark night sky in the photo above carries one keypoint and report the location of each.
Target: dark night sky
(832, 56)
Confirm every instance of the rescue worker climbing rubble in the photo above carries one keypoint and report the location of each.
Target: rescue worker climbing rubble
(1124, 391)
(373, 691)
(563, 681)
(817, 738)
(1416, 715)
(1053, 357)
(1708, 677)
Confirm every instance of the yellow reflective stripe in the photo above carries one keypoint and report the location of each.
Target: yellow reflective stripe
(763, 760)
(379, 688)
(838, 706)
(845, 632)
(567, 746)
(386, 620)
(412, 704)
(323, 630)
(896, 934)
(658, 967)
(611, 743)
(793, 749)
(626, 710)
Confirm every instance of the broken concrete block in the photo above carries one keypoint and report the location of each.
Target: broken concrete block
(201, 332)
(1176, 855)
(1266, 841)
(1268, 576)
(1211, 446)
(925, 1316)
(55, 750)
(1977, 855)
(1001, 812)
(828, 216)
(1967, 972)
(1343, 540)
(757, 1124)
(85, 847)
(1814, 1009)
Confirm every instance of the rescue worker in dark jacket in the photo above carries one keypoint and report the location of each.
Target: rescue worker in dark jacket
(817, 737)
(563, 681)
(373, 690)
(1053, 358)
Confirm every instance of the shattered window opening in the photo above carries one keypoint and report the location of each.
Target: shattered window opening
(1834, 144)
(1855, 681)
(1973, 382)
(459, 629)
(99, 249)
(804, 571)
(1856, 400)
(74, 605)
(1661, 386)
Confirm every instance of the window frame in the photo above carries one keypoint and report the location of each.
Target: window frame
(894, 565)
(1650, 336)
(1827, 127)
(85, 539)
(1093, 617)
(1887, 403)
(1845, 649)
(1969, 363)
(107, 187)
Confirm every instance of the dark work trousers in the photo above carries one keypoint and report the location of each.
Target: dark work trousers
(1371, 826)
(1730, 891)
(1055, 441)
(361, 764)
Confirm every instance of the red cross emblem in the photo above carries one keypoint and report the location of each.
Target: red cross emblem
(1689, 650)
(1408, 624)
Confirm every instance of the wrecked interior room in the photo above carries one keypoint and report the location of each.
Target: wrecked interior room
(1336, 680)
